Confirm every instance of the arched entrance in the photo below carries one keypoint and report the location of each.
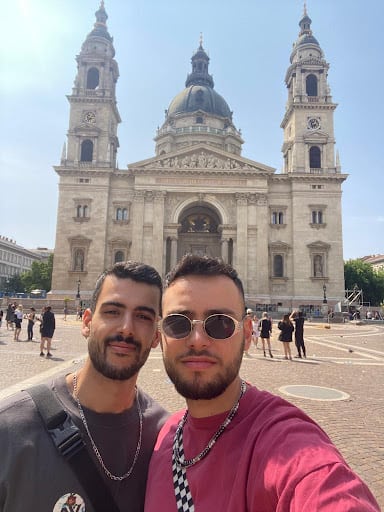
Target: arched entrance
(199, 231)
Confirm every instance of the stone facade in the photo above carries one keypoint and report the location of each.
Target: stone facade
(282, 232)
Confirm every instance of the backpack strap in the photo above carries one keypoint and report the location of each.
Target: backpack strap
(68, 440)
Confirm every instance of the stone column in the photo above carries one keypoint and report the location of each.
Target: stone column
(158, 230)
(242, 230)
(137, 225)
(262, 265)
(224, 250)
(173, 251)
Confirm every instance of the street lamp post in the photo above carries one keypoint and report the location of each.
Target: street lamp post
(325, 294)
(78, 289)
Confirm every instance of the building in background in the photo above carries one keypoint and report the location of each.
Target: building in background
(198, 193)
(15, 259)
(375, 260)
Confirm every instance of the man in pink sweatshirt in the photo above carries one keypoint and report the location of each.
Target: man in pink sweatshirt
(235, 448)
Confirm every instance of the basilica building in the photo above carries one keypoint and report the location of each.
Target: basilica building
(198, 193)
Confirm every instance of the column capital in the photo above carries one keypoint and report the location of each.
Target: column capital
(242, 198)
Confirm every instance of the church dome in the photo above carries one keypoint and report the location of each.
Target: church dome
(307, 39)
(199, 93)
(199, 97)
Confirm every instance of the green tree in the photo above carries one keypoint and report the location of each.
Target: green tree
(14, 284)
(361, 274)
(39, 276)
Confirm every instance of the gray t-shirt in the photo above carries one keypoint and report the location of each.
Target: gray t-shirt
(34, 476)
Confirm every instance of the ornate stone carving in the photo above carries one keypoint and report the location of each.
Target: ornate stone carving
(262, 200)
(138, 195)
(242, 199)
(200, 160)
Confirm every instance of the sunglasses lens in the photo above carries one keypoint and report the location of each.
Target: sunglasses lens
(176, 326)
(220, 327)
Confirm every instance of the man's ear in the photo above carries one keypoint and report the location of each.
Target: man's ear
(156, 338)
(86, 325)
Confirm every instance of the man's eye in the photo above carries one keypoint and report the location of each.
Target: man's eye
(144, 316)
(111, 312)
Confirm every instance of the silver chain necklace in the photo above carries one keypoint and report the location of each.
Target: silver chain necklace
(95, 449)
(178, 447)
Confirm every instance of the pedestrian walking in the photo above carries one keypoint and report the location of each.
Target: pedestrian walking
(31, 322)
(10, 316)
(286, 327)
(18, 318)
(47, 329)
(255, 330)
(265, 327)
(248, 320)
(298, 318)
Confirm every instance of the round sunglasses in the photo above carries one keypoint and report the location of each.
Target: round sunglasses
(218, 326)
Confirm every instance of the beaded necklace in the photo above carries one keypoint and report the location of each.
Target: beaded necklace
(178, 447)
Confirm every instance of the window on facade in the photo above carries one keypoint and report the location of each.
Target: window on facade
(317, 217)
(119, 256)
(311, 85)
(86, 151)
(277, 217)
(82, 211)
(93, 78)
(121, 214)
(78, 260)
(314, 157)
(199, 120)
(318, 266)
(278, 266)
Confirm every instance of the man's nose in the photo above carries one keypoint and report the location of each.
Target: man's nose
(126, 324)
(198, 337)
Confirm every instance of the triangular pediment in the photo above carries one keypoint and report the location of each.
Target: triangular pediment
(316, 136)
(201, 156)
(318, 246)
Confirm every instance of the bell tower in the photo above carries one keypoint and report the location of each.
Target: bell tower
(92, 136)
(88, 165)
(309, 142)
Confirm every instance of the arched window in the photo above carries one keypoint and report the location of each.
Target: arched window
(93, 78)
(278, 266)
(86, 151)
(119, 256)
(124, 214)
(85, 211)
(78, 260)
(78, 211)
(118, 214)
(314, 157)
(311, 85)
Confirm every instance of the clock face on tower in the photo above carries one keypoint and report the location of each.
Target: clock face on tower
(90, 117)
(313, 123)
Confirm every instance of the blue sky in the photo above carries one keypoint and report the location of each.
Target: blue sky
(249, 43)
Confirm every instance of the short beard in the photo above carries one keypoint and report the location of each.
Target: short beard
(97, 355)
(197, 390)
